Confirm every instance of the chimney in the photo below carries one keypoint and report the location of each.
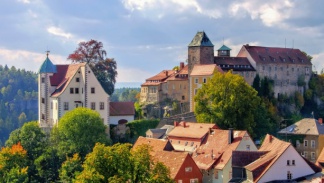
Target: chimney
(181, 65)
(320, 120)
(166, 73)
(230, 135)
(270, 138)
(175, 123)
(184, 124)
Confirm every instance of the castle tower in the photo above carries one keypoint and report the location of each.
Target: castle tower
(200, 51)
(46, 70)
(224, 51)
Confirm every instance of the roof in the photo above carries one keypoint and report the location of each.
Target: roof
(306, 126)
(181, 75)
(270, 55)
(205, 70)
(63, 76)
(173, 160)
(191, 129)
(215, 150)
(320, 159)
(243, 158)
(156, 144)
(47, 67)
(234, 63)
(161, 76)
(121, 108)
(275, 149)
(224, 48)
(201, 39)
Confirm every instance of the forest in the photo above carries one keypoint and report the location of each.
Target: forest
(18, 99)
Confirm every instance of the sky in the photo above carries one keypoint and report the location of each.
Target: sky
(148, 36)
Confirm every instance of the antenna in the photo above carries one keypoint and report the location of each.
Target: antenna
(47, 52)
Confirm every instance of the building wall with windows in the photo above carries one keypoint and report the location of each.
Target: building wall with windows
(66, 87)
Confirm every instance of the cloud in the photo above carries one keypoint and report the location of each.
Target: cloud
(158, 8)
(317, 61)
(271, 13)
(27, 60)
(58, 32)
(24, 1)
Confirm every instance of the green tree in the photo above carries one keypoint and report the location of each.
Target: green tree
(77, 132)
(256, 84)
(22, 119)
(47, 165)
(105, 69)
(228, 101)
(70, 169)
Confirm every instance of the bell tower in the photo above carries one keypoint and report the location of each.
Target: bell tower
(200, 51)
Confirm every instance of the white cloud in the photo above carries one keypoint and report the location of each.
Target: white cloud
(27, 60)
(132, 75)
(159, 7)
(24, 1)
(271, 13)
(317, 61)
(59, 32)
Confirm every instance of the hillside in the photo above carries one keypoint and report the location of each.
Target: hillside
(18, 99)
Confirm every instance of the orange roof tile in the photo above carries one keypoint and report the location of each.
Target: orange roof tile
(191, 129)
(205, 70)
(320, 159)
(161, 76)
(156, 144)
(62, 78)
(215, 150)
(173, 160)
(121, 108)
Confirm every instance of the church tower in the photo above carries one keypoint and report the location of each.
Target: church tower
(200, 51)
(46, 70)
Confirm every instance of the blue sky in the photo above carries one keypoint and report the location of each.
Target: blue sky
(147, 36)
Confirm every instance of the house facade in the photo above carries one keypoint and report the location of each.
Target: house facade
(307, 136)
(62, 88)
(121, 112)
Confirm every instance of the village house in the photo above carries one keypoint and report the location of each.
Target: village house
(214, 156)
(157, 145)
(188, 136)
(307, 136)
(159, 133)
(62, 88)
(121, 112)
(278, 162)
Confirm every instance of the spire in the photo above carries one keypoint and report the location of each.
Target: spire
(47, 66)
(201, 39)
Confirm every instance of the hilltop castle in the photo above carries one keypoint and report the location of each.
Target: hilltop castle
(289, 68)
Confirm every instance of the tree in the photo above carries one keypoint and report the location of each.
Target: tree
(47, 165)
(256, 84)
(105, 69)
(70, 169)
(228, 101)
(77, 132)
(13, 164)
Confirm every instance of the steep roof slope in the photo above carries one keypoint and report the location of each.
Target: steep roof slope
(121, 108)
(156, 144)
(201, 39)
(306, 126)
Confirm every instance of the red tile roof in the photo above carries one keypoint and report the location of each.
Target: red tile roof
(191, 129)
(215, 150)
(62, 78)
(173, 160)
(156, 144)
(161, 76)
(270, 55)
(121, 108)
(205, 70)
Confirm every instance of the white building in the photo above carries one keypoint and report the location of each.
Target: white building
(62, 88)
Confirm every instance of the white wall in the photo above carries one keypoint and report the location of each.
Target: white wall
(279, 169)
(113, 120)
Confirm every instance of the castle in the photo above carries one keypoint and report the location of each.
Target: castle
(289, 68)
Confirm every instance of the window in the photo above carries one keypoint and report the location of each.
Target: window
(43, 116)
(51, 105)
(66, 105)
(289, 176)
(194, 180)
(305, 143)
(102, 106)
(76, 90)
(305, 154)
(313, 143)
(71, 90)
(288, 162)
(292, 162)
(188, 169)
(43, 80)
(248, 147)
(77, 79)
(186, 143)
(297, 143)
(195, 91)
(216, 174)
(92, 90)
(93, 105)
(183, 97)
(196, 80)
(312, 155)
(43, 100)
(204, 80)
(192, 143)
